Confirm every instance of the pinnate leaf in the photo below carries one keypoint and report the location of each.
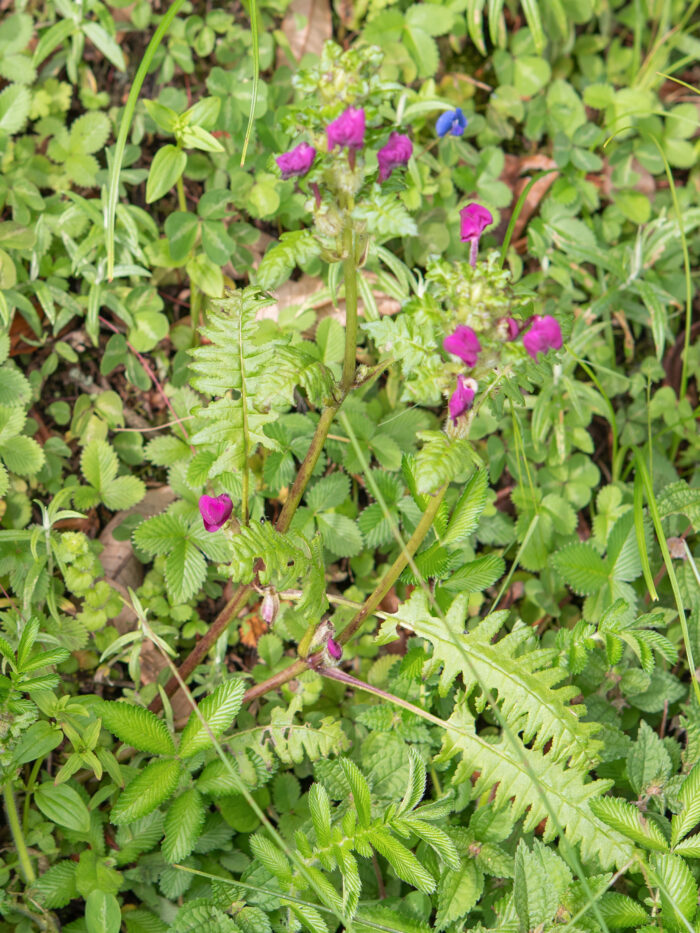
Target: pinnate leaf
(147, 791)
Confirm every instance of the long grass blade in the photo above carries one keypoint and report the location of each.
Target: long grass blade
(125, 126)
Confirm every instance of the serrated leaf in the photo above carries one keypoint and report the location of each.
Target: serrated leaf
(320, 809)
(166, 450)
(98, 464)
(581, 567)
(628, 820)
(185, 571)
(149, 789)
(340, 534)
(15, 104)
(55, 887)
(159, 534)
(476, 575)
(678, 890)
(22, 456)
(329, 492)
(89, 133)
(137, 727)
(360, 791)
(14, 387)
(102, 912)
(218, 710)
(466, 514)
(402, 860)
(458, 891)
(689, 796)
(123, 492)
(183, 824)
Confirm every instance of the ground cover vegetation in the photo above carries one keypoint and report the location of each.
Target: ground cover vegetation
(350, 491)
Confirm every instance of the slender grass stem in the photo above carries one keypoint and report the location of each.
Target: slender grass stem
(350, 280)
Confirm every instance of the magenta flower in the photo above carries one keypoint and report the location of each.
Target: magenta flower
(463, 343)
(513, 328)
(334, 649)
(396, 152)
(347, 130)
(215, 511)
(474, 219)
(544, 334)
(462, 398)
(297, 161)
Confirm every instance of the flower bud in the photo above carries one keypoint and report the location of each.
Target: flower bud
(215, 511)
(270, 606)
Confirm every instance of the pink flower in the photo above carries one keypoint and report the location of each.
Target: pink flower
(215, 511)
(544, 334)
(473, 220)
(463, 343)
(513, 328)
(334, 649)
(347, 130)
(462, 398)
(297, 161)
(397, 151)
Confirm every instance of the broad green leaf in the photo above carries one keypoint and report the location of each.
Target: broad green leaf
(181, 229)
(102, 913)
(137, 727)
(22, 456)
(123, 492)
(149, 789)
(55, 887)
(628, 820)
(678, 890)
(15, 102)
(160, 534)
(329, 492)
(167, 166)
(689, 796)
(340, 534)
(218, 710)
(89, 133)
(98, 464)
(63, 805)
(105, 43)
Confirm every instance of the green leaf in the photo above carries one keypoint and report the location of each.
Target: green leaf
(678, 890)
(320, 808)
(295, 248)
(476, 575)
(98, 464)
(159, 534)
(689, 796)
(63, 805)
(15, 103)
(14, 387)
(137, 727)
(440, 460)
(183, 825)
(185, 571)
(339, 534)
(102, 913)
(39, 739)
(466, 514)
(166, 450)
(218, 710)
(628, 820)
(205, 275)
(168, 165)
(149, 789)
(23, 456)
(458, 891)
(150, 328)
(181, 229)
(102, 40)
(581, 567)
(329, 492)
(123, 493)
(360, 791)
(402, 860)
(541, 879)
(55, 887)
(89, 133)
(432, 18)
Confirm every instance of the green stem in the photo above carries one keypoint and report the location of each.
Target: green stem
(17, 834)
(307, 467)
(394, 572)
(30, 790)
(125, 125)
(350, 280)
(181, 201)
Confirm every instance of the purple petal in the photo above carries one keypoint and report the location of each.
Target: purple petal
(461, 399)
(215, 511)
(347, 130)
(474, 218)
(463, 343)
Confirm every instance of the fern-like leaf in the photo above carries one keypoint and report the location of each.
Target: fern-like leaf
(531, 783)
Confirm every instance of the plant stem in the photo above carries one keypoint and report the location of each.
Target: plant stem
(181, 202)
(350, 280)
(392, 575)
(17, 834)
(301, 481)
(307, 467)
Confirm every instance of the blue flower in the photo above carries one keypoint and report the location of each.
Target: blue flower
(452, 121)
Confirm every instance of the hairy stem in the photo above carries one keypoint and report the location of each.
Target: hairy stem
(17, 834)
(350, 280)
(392, 575)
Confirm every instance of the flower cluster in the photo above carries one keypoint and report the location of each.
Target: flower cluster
(347, 131)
